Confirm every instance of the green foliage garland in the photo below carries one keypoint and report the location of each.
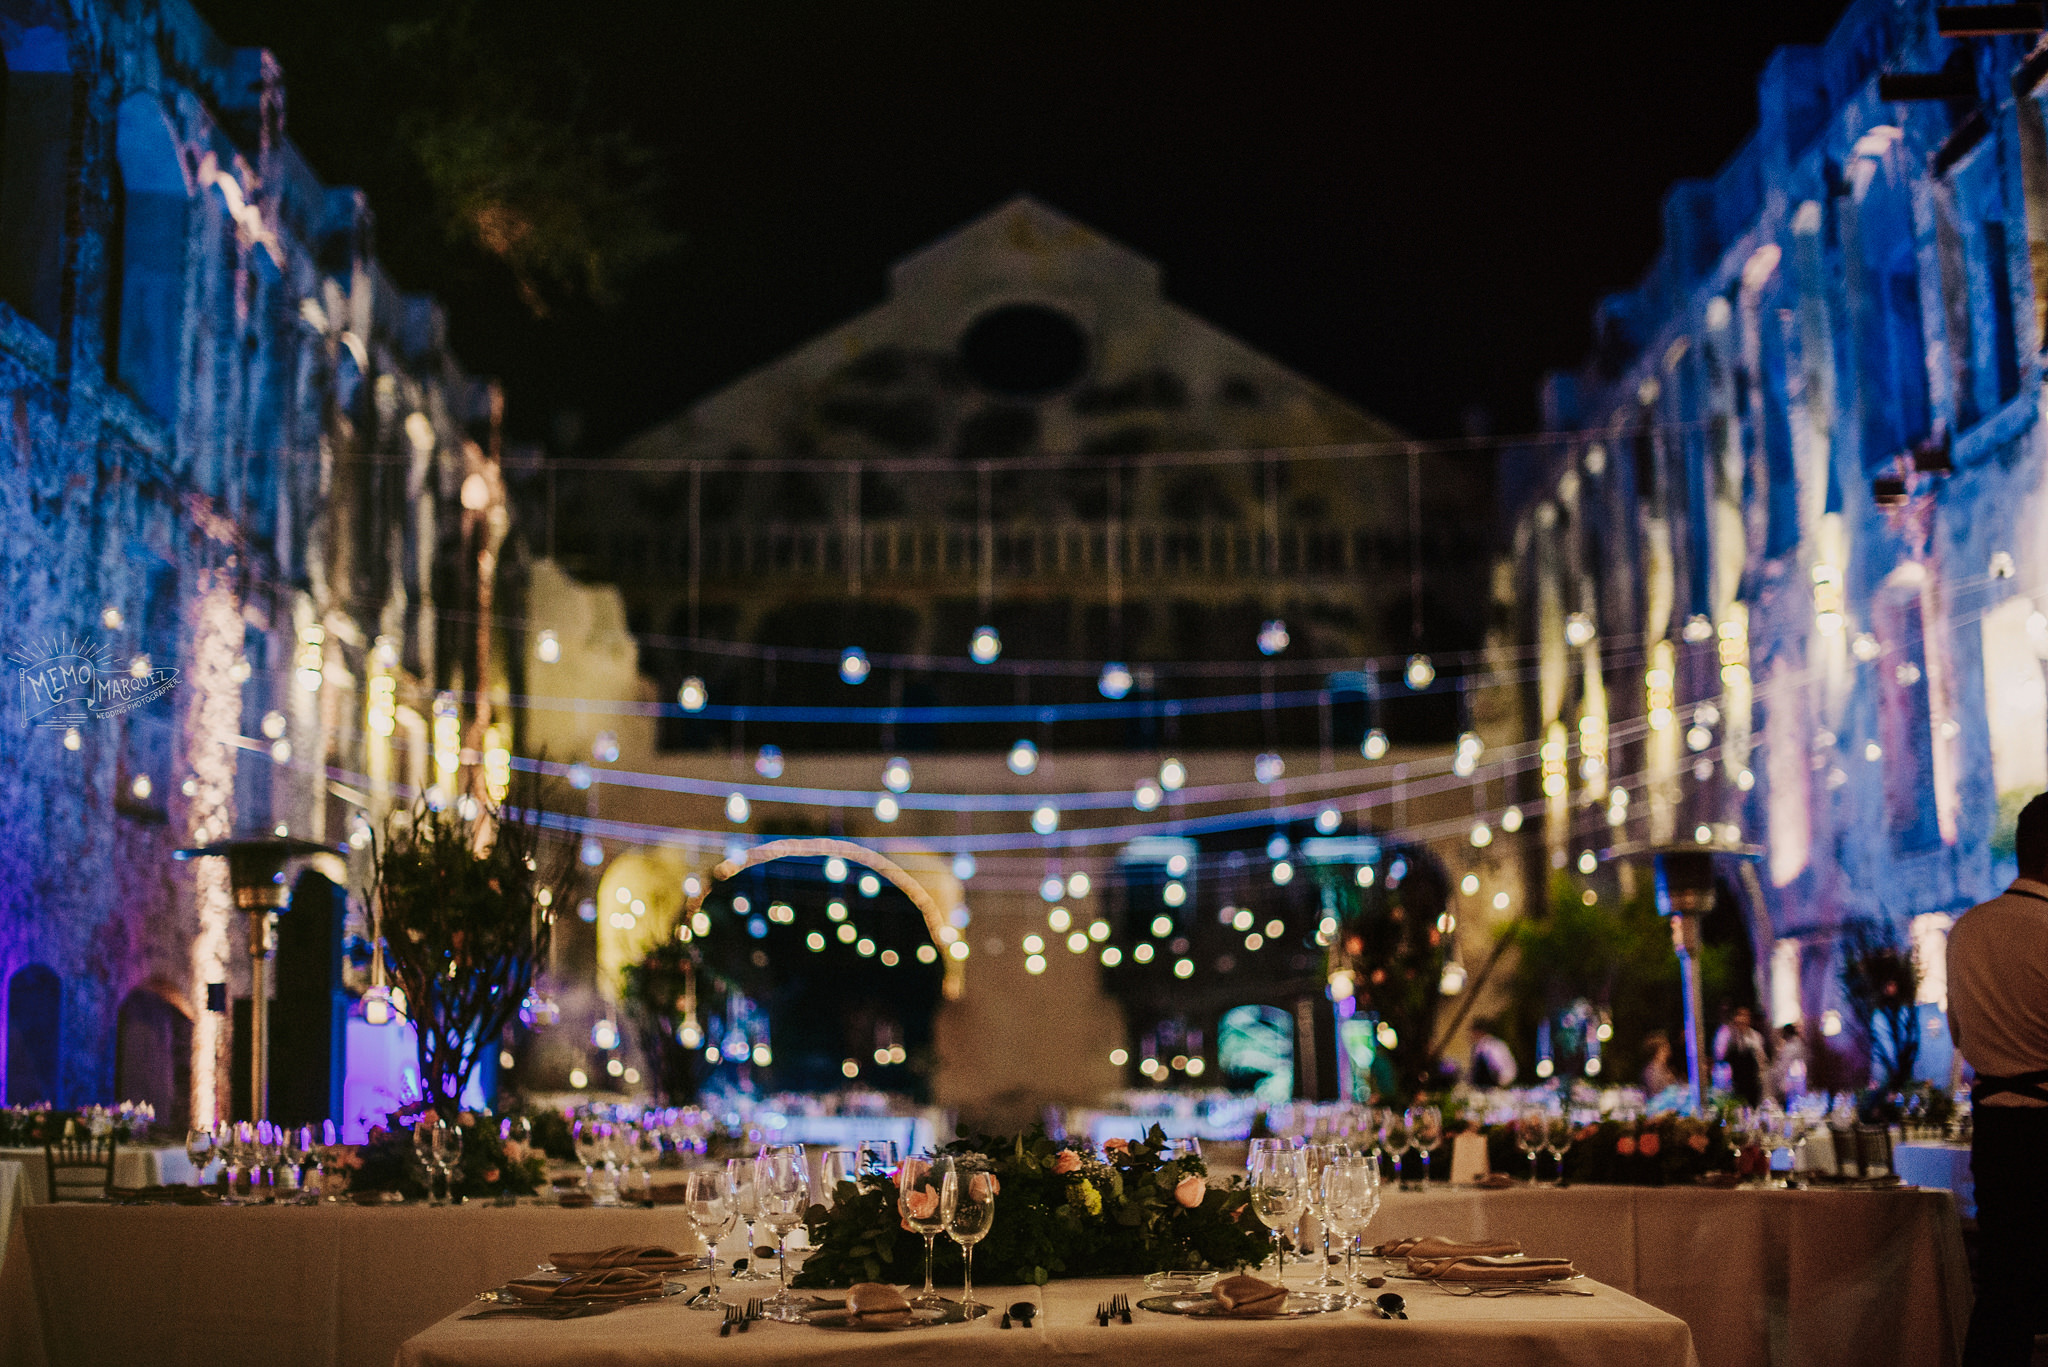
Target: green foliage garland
(1106, 1215)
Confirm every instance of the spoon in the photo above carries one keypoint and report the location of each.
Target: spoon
(1391, 1306)
(1024, 1311)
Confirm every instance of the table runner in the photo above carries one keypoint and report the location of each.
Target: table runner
(1608, 1329)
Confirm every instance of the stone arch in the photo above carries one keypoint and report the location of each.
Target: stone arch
(943, 934)
(153, 1051)
(146, 257)
(35, 149)
(35, 1013)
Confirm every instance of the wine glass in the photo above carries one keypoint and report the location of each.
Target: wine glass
(423, 1154)
(1316, 1161)
(247, 1157)
(589, 1144)
(1532, 1131)
(747, 1204)
(298, 1147)
(709, 1206)
(1395, 1138)
(877, 1157)
(1351, 1197)
(224, 1150)
(968, 1199)
(1426, 1124)
(1279, 1181)
(199, 1147)
(1557, 1140)
(920, 1195)
(782, 1192)
(837, 1166)
(448, 1156)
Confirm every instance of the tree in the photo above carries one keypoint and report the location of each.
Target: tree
(459, 908)
(1388, 937)
(1882, 984)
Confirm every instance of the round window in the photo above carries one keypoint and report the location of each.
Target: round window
(1024, 350)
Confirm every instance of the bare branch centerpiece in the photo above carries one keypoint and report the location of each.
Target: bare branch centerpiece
(465, 907)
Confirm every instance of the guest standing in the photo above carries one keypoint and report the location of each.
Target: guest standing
(1998, 1018)
(1788, 1069)
(1738, 1045)
(1657, 1074)
(1493, 1063)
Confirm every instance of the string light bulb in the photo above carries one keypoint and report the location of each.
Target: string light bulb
(693, 695)
(1374, 746)
(1273, 637)
(896, 775)
(1421, 672)
(768, 762)
(985, 645)
(1023, 758)
(547, 647)
(1172, 774)
(853, 665)
(1115, 681)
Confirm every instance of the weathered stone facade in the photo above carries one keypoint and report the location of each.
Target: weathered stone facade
(1781, 572)
(234, 446)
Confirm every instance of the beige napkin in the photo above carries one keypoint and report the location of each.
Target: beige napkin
(1244, 1295)
(1483, 1269)
(876, 1303)
(607, 1284)
(646, 1257)
(1434, 1247)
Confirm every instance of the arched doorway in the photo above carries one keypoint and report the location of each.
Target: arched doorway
(153, 1053)
(35, 1005)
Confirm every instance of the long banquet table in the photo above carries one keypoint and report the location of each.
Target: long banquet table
(1777, 1278)
(1606, 1329)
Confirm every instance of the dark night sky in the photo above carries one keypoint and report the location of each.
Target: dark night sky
(1415, 204)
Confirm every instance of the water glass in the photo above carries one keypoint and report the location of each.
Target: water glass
(1279, 1183)
(709, 1206)
(1532, 1132)
(199, 1148)
(742, 1173)
(837, 1166)
(1317, 1159)
(968, 1199)
(1426, 1125)
(782, 1193)
(1350, 1198)
(877, 1157)
(920, 1199)
(1395, 1138)
(448, 1156)
(1558, 1140)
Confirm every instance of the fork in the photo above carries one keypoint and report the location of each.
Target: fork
(1102, 1314)
(1120, 1306)
(755, 1311)
(733, 1315)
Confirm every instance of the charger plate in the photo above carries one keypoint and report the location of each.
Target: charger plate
(824, 1314)
(1299, 1305)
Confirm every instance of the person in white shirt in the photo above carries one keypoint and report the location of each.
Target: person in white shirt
(1998, 1018)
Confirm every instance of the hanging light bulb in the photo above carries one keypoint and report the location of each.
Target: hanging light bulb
(835, 870)
(1052, 889)
(1023, 758)
(1374, 746)
(1146, 797)
(1578, 629)
(580, 776)
(693, 695)
(887, 808)
(1421, 672)
(1698, 627)
(985, 645)
(1046, 819)
(896, 775)
(1511, 820)
(736, 809)
(1172, 774)
(1268, 768)
(768, 762)
(963, 866)
(1115, 681)
(1327, 820)
(1482, 835)
(547, 648)
(853, 665)
(1273, 637)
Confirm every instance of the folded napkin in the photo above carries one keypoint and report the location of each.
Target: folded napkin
(646, 1257)
(876, 1303)
(1435, 1247)
(1503, 1270)
(1243, 1295)
(606, 1284)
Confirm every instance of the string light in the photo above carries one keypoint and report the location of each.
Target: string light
(1578, 629)
(547, 647)
(737, 809)
(1482, 835)
(1146, 797)
(1115, 682)
(1327, 820)
(1283, 873)
(1374, 746)
(896, 775)
(887, 809)
(1268, 768)
(985, 645)
(1421, 672)
(1172, 774)
(1078, 885)
(1046, 819)
(1511, 820)
(692, 696)
(768, 762)
(1273, 637)
(1023, 758)
(853, 665)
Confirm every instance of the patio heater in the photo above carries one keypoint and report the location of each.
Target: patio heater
(256, 873)
(1685, 894)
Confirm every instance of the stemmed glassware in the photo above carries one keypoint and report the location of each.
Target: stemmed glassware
(423, 1155)
(199, 1147)
(834, 1167)
(298, 1148)
(1557, 1139)
(709, 1206)
(1317, 1159)
(920, 1197)
(1279, 1182)
(782, 1193)
(1426, 1124)
(1532, 1132)
(1351, 1197)
(968, 1201)
(1395, 1138)
(244, 1159)
(877, 1157)
(447, 1157)
(747, 1205)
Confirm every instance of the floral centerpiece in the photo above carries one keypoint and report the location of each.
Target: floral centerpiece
(24, 1127)
(1655, 1151)
(1063, 1210)
(490, 1165)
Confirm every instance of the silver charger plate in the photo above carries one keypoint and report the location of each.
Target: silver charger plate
(822, 1314)
(1299, 1305)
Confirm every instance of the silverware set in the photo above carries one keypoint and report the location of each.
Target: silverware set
(741, 1317)
(1117, 1307)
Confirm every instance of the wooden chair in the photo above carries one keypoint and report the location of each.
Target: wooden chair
(81, 1169)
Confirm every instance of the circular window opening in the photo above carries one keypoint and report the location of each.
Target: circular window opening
(1025, 350)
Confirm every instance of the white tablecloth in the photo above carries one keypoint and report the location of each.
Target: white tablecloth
(312, 1286)
(1945, 1166)
(133, 1167)
(1607, 1329)
(1808, 1278)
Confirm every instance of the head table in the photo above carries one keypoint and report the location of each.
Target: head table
(1760, 1277)
(1607, 1329)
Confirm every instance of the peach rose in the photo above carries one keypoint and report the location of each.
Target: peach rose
(1116, 1146)
(983, 1186)
(911, 1172)
(490, 1174)
(1190, 1190)
(1698, 1142)
(1649, 1144)
(921, 1205)
(1067, 1162)
(1626, 1145)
